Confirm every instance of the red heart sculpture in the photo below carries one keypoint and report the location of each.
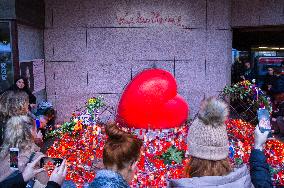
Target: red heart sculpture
(150, 100)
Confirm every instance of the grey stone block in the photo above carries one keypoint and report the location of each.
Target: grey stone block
(110, 43)
(70, 77)
(48, 13)
(219, 14)
(48, 44)
(145, 13)
(139, 66)
(166, 44)
(65, 14)
(7, 9)
(30, 43)
(218, 60)
(245, 13)
(108, 77)
(145, 43)
(272, 12)
(49, 75)
(190, 75)
(193, 98)
(67, 44)
(67, 103)
(112, 101)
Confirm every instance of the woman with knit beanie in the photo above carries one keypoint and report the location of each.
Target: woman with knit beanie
(208, 148)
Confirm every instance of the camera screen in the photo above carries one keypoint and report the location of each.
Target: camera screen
(49, 163)
(13, 159)
(265, 124)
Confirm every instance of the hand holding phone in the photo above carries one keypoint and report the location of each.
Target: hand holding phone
(59, 173)
(14, 153)
(49, 163)
(30, 171)
(259, 138)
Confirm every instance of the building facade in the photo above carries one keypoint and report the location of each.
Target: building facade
(94, 47)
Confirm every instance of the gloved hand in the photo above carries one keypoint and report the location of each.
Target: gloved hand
(259, 138)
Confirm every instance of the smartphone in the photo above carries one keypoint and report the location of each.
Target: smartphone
(14, 153)
(49, 163)
(263, 120)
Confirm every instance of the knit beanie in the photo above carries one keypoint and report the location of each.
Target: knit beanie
(207, 136)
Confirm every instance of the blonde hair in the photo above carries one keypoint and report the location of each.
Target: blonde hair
(14, 103)
(18, 135)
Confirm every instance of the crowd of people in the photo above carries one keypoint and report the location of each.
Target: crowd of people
(18, 130)
(273, 86)
(209, 165)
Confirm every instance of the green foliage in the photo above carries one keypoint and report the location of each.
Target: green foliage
(238, 161)
(172, 155)
(64, 128)
(92, 105)
(249, 94)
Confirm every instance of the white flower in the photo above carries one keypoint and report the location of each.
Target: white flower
(253, 81)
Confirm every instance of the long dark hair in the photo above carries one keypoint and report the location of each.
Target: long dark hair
(32, 98)
(15, 87)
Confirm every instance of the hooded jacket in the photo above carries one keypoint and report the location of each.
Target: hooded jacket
(239, 178)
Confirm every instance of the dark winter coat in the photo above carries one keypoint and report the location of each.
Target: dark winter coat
(259, 170)
(278, 86)
(18, 182)
(268, 80)
(249, 74)
(278, 127)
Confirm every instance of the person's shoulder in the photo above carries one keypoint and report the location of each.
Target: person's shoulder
(105, 182)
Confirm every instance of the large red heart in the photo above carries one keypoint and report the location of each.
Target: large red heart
(150, 100)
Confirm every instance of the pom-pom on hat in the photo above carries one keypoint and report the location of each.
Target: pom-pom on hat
(207, 136)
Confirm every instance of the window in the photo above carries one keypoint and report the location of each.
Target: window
(6, 62)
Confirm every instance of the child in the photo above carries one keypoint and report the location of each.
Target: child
(45, 116)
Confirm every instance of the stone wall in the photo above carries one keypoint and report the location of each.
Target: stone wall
(257, 13)
(30, 46)
(30, 43)
(96, 47)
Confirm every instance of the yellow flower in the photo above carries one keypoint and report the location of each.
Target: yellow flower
(92, 101)
(78, 126)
